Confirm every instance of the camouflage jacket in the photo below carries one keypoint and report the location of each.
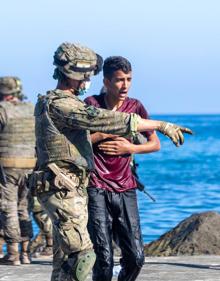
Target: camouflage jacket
(63, 124)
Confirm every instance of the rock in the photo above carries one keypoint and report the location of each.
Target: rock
(198, 234)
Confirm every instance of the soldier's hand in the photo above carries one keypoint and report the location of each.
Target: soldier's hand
(174, 132)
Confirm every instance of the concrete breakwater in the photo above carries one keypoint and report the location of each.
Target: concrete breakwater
(181, 268)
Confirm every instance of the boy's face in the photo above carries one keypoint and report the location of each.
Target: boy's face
(119, 85)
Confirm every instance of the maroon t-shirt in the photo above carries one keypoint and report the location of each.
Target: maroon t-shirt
(113, 173)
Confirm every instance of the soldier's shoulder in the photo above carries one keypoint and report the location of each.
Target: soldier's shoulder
(46, 97)
(41, 97)
(63, 99)
(24, 108)
(5, 106)
(26, 104)
(59, 94)
(40, 104)
(58, 100)
(58, 97)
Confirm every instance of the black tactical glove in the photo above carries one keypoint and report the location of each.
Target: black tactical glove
(174, 132)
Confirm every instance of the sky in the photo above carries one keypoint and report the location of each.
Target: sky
(173, 45)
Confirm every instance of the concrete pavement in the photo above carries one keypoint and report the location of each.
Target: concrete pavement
(184, 268)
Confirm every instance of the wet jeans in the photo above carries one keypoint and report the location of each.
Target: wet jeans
(114, 216)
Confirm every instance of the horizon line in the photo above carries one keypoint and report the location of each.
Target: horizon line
(185, 113)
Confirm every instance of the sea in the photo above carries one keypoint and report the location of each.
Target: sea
(183, 180)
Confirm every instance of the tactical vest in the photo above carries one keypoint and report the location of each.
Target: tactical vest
(69, 145)
(17, 139)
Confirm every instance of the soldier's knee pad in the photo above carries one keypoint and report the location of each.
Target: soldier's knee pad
(83, 264)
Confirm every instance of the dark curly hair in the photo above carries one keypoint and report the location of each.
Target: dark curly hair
(114, 63)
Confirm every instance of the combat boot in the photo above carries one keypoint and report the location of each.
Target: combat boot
(48, 249)
(36, 245)
(24, 256)
(12, 256)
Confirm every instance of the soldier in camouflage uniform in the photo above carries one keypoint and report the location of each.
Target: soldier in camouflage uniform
(17, 156)
(65, 157)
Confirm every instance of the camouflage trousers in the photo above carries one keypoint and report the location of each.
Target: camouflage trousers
(40, 216)
(15, 221)
(69, 215)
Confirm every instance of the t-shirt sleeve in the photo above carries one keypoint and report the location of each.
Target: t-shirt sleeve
(141, 111)
(88, 101)
(91, 100)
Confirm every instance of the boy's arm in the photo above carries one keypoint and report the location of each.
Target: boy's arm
(121, 146)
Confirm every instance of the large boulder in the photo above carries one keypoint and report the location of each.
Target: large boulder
(198, 234)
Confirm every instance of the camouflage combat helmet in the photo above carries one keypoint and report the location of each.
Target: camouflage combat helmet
(76, 61)
(10, 85)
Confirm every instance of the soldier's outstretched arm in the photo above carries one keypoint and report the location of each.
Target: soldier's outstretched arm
(77, 115)
(172, 131)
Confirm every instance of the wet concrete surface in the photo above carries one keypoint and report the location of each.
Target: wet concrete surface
(184, 268)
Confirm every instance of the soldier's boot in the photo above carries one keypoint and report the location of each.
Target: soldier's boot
(36, 244)
(12, 257)
(78, 266)
(48, 249)
(24, 256)
(2, 242)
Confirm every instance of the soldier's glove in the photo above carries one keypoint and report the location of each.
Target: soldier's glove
(174, 132)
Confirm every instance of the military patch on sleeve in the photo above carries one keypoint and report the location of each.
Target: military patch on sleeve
(92, 111)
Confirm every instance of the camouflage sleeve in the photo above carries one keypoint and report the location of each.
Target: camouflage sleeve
(73, 113)
(3, 118)
(139, 138)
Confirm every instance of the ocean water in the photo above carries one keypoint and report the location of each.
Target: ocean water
(183, 180)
